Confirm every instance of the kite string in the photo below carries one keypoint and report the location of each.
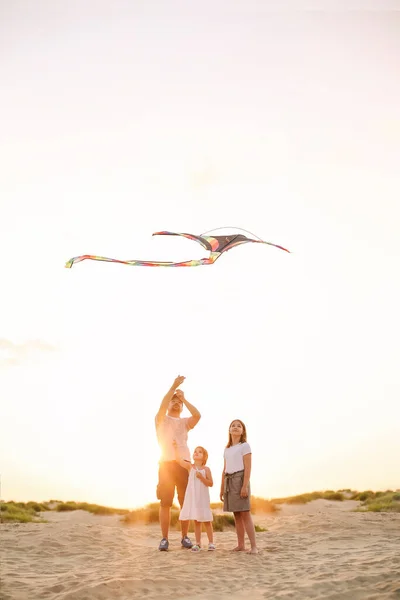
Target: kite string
(232, 227)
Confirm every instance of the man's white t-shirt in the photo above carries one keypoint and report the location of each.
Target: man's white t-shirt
(170, 429)
(234, 457)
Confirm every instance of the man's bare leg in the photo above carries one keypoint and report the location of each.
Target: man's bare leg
(164, 520)
(239, 532)
(184, 528)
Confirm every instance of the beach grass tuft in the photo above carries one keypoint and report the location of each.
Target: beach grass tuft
(388, 501)
(19, 512)
(261, 505)
(220, 523)
(150, 514)
(309, 497)
(258, 505)
(95, 509)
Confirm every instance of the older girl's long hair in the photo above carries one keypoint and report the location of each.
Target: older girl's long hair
(243, 437)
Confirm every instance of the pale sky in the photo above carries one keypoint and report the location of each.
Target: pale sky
(119, 119)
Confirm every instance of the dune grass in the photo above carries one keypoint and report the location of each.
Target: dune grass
(150, 514)
(309, 497)
(20, 512)
(220, 523)
(26, 512)
(95, 509)
(262, 506)
(388, 501)
(258, 505)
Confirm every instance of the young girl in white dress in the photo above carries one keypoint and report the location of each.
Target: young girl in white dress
(196, 505)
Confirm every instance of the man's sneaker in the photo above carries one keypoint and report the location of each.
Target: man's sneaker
(186, 543)
(164, 545)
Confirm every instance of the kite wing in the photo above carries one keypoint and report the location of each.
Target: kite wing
(220, 243)
(141, 263)
(216, 245)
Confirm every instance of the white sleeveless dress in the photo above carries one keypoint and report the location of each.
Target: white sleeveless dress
(196, 505)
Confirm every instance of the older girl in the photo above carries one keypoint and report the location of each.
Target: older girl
(235, 484)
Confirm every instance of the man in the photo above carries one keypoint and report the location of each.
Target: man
(172, 428)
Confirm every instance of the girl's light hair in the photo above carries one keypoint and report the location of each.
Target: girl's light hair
(243, 437)
(205, 454)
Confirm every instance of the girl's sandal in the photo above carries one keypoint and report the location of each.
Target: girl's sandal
(196, 548)
(211, 546)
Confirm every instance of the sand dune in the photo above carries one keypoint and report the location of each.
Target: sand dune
(321, 550)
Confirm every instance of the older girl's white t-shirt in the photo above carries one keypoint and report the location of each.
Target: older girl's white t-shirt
(234, 457)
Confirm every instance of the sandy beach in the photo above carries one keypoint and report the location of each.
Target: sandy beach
(320, 550)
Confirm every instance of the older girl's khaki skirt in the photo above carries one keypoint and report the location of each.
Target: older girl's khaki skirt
(233, 483)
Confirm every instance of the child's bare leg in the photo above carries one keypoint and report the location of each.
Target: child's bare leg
(251, 532)
(239, 531)
(210, 533)
(197, 532)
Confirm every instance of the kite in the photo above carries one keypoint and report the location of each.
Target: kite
(216, 246)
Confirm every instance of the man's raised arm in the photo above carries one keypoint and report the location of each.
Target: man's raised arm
(168, 397)
(196, 416)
